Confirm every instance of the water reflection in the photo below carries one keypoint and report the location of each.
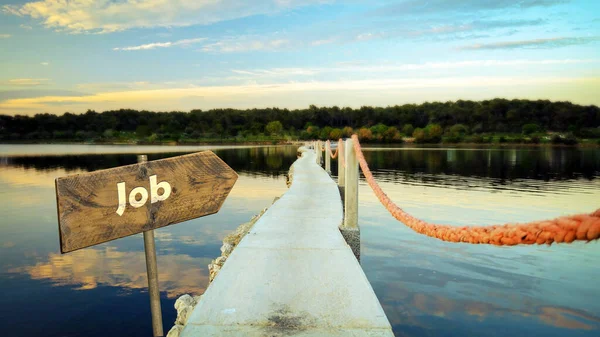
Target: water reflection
(443, 307)
(427, 287)
(23, 150)
(433, 288)
(87, 268)
(268, 160)
(504, 165)
(30, 262)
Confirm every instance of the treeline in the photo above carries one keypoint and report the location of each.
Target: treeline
(427, 122)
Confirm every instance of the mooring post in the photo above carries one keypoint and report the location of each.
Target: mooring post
(341, 163)
(318, 149)
(350, 230)
(152, 271)
(328, 157)
(320, 153)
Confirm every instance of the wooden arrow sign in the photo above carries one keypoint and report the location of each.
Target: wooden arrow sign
(104, 205)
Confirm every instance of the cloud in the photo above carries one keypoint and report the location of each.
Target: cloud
(26, 27)
(533, 44)
(430, 29)
(322, 42)
(45, 63)
(148, 46)
(5, 36)
(354, 67)
(106, 16)
(493, 24)
(104, 86)
(439, 6)
(27, 81)
(451, 30)
(29, 93)
(230, 45)
(277, 72)
(369, 36)
(299, 94)
(243, 44)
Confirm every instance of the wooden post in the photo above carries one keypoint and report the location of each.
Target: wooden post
(341, 163)
(152, 272)
(318, 150)
(349, 229)
(328, 157)
(351, 187)
(320, 153)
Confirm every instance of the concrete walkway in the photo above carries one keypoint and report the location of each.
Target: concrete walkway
(293, 274)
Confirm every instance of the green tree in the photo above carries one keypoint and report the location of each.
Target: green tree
(324, 134)
(530, 128)
(378, 129)
(142, 131)
(313, 131)
(433, 133)
(219, 129)
(477, 117)
(108, 134)
(364, 134)
(419, 135)
(392, 135)
(335, 134)
(458, 130)
(274, 128)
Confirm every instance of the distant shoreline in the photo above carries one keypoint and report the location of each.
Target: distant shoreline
(589, 144)
(166, 143)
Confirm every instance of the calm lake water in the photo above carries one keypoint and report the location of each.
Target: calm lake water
(427, 287)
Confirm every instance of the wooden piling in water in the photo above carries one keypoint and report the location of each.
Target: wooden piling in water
(328, 157)
(351, 187)
(341, 163)
(349, 229)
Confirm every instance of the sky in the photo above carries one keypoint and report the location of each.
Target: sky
(165, 55)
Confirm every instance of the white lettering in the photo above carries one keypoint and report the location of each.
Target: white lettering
(122, 201)
(133, 200)
(166, 187)
(139, 195)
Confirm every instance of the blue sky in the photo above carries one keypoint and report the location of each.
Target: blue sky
(67, 55)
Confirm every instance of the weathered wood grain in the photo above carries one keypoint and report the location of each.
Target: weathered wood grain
(87, 203)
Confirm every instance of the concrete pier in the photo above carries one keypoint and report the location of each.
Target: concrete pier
(293, 274)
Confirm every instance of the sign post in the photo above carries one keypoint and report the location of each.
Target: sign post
(105, 205)
(152, 271)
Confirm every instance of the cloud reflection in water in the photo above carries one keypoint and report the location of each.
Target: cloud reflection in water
(91, 267)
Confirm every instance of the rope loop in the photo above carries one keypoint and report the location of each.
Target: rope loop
(565, 229)
(333, 155)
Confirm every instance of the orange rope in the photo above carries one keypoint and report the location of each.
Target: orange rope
(333, 155)
(583, 227)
